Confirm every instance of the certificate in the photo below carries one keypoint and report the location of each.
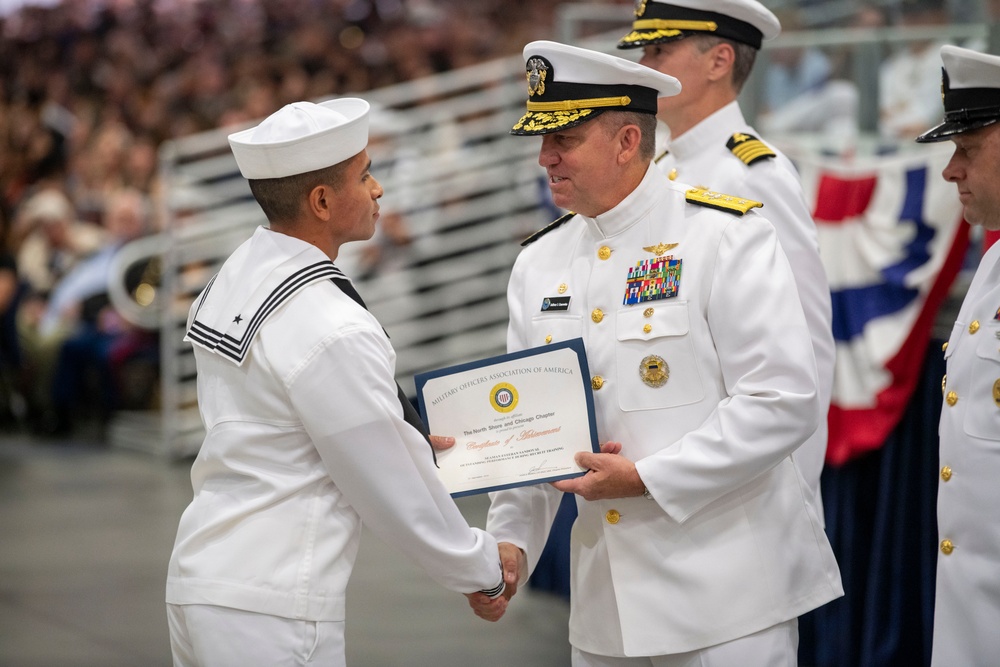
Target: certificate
(517, 419)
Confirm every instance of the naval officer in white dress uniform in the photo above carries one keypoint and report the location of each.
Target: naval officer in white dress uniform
(967, 596)
(696, 538)
(711, 46)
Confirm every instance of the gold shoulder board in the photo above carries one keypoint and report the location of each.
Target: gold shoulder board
(749, 148)
(721, 202)
(547, 228)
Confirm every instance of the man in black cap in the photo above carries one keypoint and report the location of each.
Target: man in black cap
(694, 543)
(967, 599)
(710, 46)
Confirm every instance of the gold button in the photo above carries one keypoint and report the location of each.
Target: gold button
(947, 547)
(974, 327)
(604, 252)
(563, 288)
(945, 346)
(548, 339)
(996, 393)
(647, 328)
(648, 312)
(672, 175)
(613, 516)
(596, 382)
(944, 383)
(946, 473)
(597, 315)
(951, 398)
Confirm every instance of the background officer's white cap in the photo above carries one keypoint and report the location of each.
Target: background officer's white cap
(302, 137)
(568, 86)
(970, 84)
(745, 21)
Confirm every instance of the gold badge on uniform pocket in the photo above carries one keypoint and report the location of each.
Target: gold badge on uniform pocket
(654, 371)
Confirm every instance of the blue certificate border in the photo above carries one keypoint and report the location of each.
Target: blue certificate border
(575, 344)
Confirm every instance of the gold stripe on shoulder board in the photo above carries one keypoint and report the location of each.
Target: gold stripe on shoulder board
(749, 148)
(721, 202)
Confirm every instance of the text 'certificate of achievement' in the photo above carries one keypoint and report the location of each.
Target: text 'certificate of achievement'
(517, 419)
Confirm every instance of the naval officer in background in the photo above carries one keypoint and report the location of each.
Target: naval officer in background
(967, 596)
(307, 433)
(695, 541)
(711, 46)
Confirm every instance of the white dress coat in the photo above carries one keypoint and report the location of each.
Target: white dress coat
(699, 157)
(967, 599)
(730, 544)
(305, 441)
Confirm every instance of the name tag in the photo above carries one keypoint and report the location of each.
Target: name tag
(551, 303)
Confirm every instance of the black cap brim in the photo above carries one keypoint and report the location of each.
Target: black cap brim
(661, 22)
(640, 38)
(545, 122)
(949, 129)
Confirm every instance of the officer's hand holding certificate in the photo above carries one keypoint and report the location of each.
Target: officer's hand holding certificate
(517, 419)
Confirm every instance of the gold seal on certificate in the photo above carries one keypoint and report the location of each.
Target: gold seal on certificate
(517, 419)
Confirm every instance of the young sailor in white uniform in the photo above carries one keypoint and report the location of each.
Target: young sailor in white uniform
(306, 431)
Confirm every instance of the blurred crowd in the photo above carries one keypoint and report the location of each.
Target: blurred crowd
(90, 89)
(819, 90)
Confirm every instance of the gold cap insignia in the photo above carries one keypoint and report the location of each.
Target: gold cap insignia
(660, 248)
(536, 73)
(654, 371)
(640, 8)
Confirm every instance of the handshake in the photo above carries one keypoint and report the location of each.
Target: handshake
(609, 476)
(513, 562)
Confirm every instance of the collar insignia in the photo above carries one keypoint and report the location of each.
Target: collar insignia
(660, 249)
